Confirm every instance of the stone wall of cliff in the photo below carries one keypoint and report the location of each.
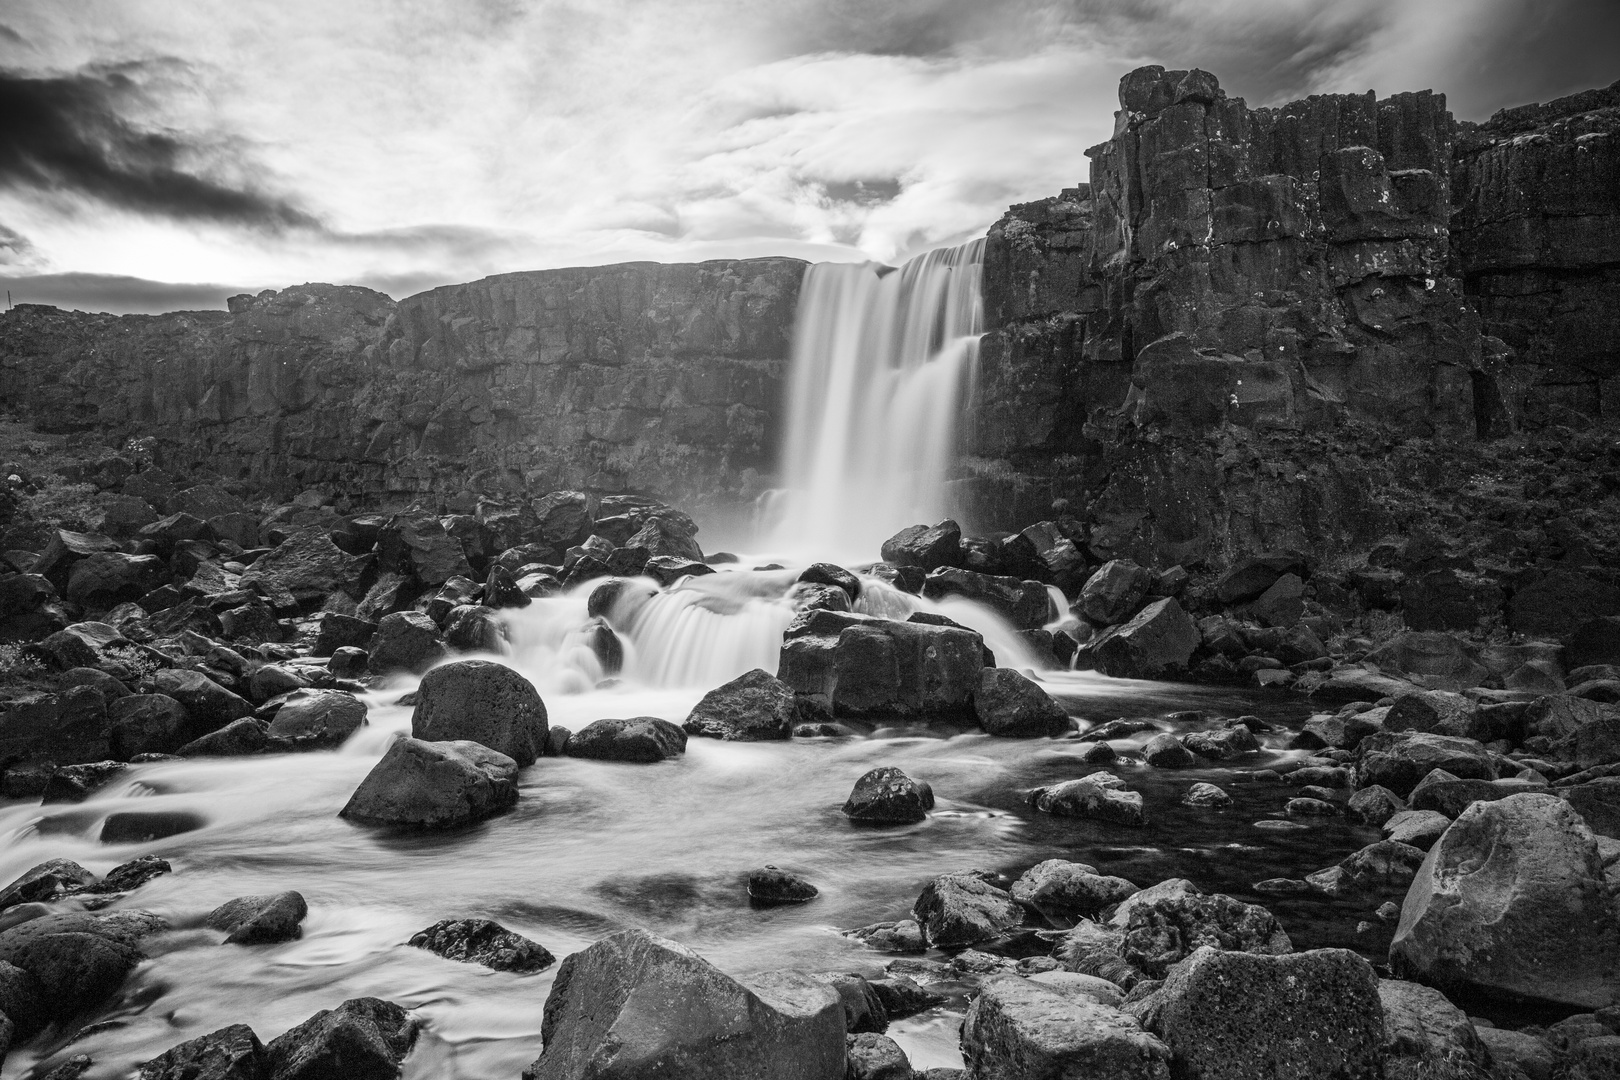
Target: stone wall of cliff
(637, 377)
(1214, 344)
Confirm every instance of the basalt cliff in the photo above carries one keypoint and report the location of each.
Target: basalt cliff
(1248, 328)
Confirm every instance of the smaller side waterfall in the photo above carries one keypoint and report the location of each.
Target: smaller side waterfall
(882, 360)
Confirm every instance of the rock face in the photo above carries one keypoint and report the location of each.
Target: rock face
(1511, 902)
(637, 1006)
(636, 376)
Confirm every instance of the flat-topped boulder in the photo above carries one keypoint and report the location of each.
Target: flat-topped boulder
(845, 665)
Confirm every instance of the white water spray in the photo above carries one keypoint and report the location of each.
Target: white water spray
(882, 362)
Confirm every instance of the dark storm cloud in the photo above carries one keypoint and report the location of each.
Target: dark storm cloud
(1540, 52)
(70, 135)
(115, 293)
(8, 34)
(14, 247)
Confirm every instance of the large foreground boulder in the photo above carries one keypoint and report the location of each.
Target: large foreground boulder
(755, 706)
(73, 961)
(483, 702)
(1511, 903)
(1239, 1016)
(434, 785)
(1017, 1029)
(637, 1007)
(845, 665)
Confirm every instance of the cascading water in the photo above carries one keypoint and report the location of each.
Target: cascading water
(882, 361)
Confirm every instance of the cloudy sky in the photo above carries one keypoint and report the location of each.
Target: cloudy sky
(157, 154)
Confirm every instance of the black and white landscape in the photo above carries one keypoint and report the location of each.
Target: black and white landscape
(819, 541)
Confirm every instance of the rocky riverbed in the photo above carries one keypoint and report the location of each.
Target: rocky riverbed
(538, 785)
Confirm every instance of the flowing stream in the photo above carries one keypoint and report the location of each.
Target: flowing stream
(593, 847)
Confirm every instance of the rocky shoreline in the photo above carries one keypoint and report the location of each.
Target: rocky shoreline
(1477, 728)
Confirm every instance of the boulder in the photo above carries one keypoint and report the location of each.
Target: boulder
(1576, 729)
(75, 961)
(83, 644)
(306, 566)
(901, 936)
(1598, 804)
(239, 738)
(1451, 795)
(1158, 641)
(925, 546)
(417, 545)
(1114, 592)
(870, 1056)
(1240, 1015)
(231, 1053)
(1249, 578)
(1397, 760)
(1375, 805)
(770, 886)
(1100, 796)
(361, 1039)
(639, 739)
(340, 631)
(1434, 659)
(752, 707)
(1419, 828)
(109, 578)
(964, 908)
(64, 550)
(1016, 1029)
(1221, 744)
(144, 826)
(1424, 1034)
(1164, 924)
(1207, 795)
(434, 785)
(1439, 712)
(484, 702)
(843, 665)
(665, 538)
(634, 1005)
(1165, 751)
(207, 704)
(474, 628)
(887, 796)
(46, 882)
(1012, 706)
(405, 641)
(318, 719)
(1024, 604)
(259, 920)
(834, 575)
(1059, 890)
(562, 518)
(76, 783)
(1511, 902)
(480, 941)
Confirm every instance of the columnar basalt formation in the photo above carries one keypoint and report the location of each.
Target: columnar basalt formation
(1200, 347)
(630, 377)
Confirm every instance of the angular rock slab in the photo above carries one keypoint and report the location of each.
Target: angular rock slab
(756, 706)
(260, 920)
(231, 1053)
(1238, 1016)
(485, 702)
(480, 941)
(964, 908)
(638, 1007)
(361, 1039)
(1012, 706)
(1511, 903)
(434, 785)
(1019, 1030)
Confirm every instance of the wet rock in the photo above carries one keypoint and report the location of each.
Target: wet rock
(1598, 803)
(144, 826)
(259, 920)
(901, 936)
(83, 644)
(1511, 902)
(668, 569)
(1238, 1015)
(1398, 760)
(318, 719)
(636, 1005)
(231, 1053)
(405, 641)
(1018, 1028)
(1307, 807)
(1165, 751)
(484, 702)
(842, 665)
(474, 628)
(272, 680)
(770, 886)
(45, 882)
(752, 707)
(925, 547)
(1207, 795)
(1061, 890)
(76, 961)
(349, 663)
(480, 941)
(1440, 713)
(1165, 923)
(1419, 828)
(1520, 1050)
(887, 796)
(1012, 706)
(1576, 729)
(1158, 641)
(870, 1056)
(965, 908)
(239, 738)
(206, 702)
(340, 631)
(1385, 865)
(1375, 805)
(306, 567)
(417, 545)
(1424, 1034)
(1450, 795)
(76, 783)
(1100, 796)
(666, 538)
(901, 996)
(434, 785)
(106, 579)
(1114, 592)
(129, 876)
(64, 550)
(639, 739)
(835, 575)
(1221, 745)
(363, 1039)
(1440, 661)
(1024, 604)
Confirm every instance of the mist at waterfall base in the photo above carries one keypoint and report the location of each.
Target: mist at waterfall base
(593, 847)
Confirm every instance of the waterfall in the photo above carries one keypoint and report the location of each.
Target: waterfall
(882, 360)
